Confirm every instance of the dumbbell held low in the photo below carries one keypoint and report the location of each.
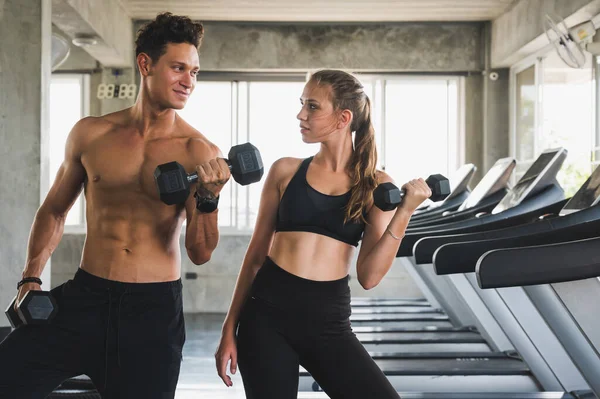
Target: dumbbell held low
(36, 307)
(245, 164)
(387, 196)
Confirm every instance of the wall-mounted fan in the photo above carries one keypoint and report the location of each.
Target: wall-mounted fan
(60, 50)
(570, 43)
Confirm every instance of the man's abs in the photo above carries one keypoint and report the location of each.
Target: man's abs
(131, 252)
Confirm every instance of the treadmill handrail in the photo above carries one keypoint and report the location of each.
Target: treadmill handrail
(462, 257)
(540, 264)
(435, 213)
(408, 242)
(425, 248)
(548, 196)
(486, 205)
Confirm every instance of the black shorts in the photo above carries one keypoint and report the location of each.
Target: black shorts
(127, 337)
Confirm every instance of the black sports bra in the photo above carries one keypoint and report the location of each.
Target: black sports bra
(302, 208)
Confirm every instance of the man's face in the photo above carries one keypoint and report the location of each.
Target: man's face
(172, 78)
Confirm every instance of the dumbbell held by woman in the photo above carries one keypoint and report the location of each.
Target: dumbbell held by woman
(387, 196)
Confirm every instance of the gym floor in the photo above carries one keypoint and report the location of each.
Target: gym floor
(198, 377)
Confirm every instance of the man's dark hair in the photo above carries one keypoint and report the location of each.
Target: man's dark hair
(166, 28)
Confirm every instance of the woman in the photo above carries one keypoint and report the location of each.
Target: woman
(292, 300)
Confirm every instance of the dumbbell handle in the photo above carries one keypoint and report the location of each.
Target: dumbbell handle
(193, 177)
(393, 199)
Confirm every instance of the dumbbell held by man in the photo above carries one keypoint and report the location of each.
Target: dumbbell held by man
(387, 196)
(244, 161)
(36, 307)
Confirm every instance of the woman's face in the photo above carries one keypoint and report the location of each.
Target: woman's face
(317, 117)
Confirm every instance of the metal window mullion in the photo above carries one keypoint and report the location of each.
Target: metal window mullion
(85, 111)
(512, 118)
(538, 119)
(596, 117)
(448, 168)
(247, 188)
(382, 123)
(234, 131)
(461, 122)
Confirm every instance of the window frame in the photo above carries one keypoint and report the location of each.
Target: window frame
(456, 153)
(537, 61)
(84, 81)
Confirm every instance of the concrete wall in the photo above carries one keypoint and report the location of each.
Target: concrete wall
(496, 123)
(474, 124)
(426, 47)
(25, 29)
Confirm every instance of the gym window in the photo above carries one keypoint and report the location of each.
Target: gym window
(69, 102)
(408, 112)
(553, 105)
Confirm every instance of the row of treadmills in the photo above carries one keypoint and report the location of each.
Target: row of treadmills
(509, 277)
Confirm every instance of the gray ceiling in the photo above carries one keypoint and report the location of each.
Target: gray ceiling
(315, 11)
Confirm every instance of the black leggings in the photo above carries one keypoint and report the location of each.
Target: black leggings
(290, 321)
(126, 337)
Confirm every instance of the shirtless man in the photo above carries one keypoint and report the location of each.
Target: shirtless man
(120, 319)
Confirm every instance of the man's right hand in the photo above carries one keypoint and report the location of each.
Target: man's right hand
(25, 288)
(227, 350)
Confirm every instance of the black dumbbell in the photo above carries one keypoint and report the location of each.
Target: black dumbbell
(173, 182)
(36, 307)
(387, 196)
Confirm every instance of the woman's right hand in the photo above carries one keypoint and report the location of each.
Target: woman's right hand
(226, 351)
(416, 192)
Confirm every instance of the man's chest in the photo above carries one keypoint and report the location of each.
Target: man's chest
(122, 163)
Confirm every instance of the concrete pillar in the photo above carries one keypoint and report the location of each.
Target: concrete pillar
(474, 123)
(496, 102)
(25, 29)
(496, 117)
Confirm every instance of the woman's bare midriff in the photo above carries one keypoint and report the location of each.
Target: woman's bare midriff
(311, 256)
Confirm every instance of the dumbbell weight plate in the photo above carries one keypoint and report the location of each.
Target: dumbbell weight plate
(12, 315)
(387, 196)
(37, 307)
(440, 187)
(246, 164)
(173, 183)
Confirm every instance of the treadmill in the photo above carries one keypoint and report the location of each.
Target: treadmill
(568, 251)
(454, 360)
(544, 270)
(537, 193)
(579, 219)
(459, 192)
(379, 335)
(487, 194)
(433, 358)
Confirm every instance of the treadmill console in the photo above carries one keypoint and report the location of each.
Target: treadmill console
(459, 181)
(538, 176)
(588, 195)
(495, 179)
